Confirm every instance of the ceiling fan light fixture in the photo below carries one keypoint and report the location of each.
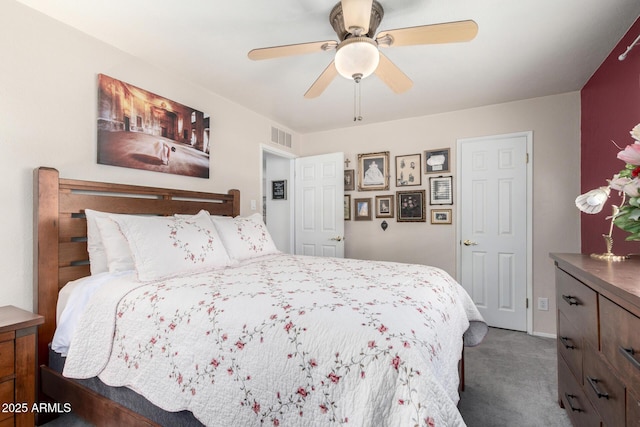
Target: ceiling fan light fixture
(357, 56)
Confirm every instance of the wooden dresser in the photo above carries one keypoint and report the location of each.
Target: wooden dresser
(598, 324)
(17, 366)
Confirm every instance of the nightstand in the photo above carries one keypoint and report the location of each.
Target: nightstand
(17, 365)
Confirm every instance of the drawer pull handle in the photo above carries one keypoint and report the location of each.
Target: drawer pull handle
(569, 397)
(564, 341)
(628, 354)
(570, 300)
(593, 382)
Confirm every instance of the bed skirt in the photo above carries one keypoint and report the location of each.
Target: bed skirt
(128, 398)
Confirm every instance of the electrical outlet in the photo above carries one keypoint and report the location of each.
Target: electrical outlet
(543, 304)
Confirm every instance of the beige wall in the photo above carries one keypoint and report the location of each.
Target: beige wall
(555, 122)
(48, 104)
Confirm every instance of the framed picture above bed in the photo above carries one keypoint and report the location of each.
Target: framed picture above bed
(411, 206)
(141, 130)
(373, 171)
(408, 170)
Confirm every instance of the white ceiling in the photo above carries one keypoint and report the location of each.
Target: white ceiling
(524, 49)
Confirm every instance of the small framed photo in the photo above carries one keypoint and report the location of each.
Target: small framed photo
(279, 190)
(373, 172)
(384, 206)
(349, 180)
(441, 190)
(347, 207)
(362, 209)
(440, 216)
(436, 161)
(411, 206)
(408, 170)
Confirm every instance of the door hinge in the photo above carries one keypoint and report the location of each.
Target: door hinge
(527, 303)
(527, 158)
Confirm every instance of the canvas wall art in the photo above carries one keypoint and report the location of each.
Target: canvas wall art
(141, 130)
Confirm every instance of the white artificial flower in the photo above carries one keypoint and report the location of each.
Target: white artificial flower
(592, 201)
(635, 132)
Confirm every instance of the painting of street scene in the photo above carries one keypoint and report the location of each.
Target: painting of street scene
(141, 130)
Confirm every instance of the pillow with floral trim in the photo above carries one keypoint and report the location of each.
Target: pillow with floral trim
(245, 237)
(165, 247)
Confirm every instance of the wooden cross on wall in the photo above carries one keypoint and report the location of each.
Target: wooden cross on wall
(346, 163)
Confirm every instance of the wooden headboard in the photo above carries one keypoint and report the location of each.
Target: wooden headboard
(60, 229)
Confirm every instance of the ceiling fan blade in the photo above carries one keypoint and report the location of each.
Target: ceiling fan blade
(291, 50)
(322, 82)
(356, 14)
(448, 32)
(392, 76)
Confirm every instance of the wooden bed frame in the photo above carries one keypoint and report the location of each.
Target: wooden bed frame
(60, 255)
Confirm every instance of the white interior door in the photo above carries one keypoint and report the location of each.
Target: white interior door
(319, 194)
(494, 228)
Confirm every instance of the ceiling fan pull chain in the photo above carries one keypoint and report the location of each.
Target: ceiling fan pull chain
(357, 98)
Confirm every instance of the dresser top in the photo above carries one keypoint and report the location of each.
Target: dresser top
(13, 318)
(618, 281)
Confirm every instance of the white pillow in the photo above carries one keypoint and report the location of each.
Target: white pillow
(116, 246)
(95, 247)
(245, 237)
(164, 247)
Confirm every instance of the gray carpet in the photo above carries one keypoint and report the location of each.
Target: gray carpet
(511, 380)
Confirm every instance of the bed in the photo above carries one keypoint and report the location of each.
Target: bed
(257, 338)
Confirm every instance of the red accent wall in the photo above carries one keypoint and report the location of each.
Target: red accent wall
(610, 109)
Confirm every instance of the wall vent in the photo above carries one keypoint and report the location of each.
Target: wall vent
(280, 137)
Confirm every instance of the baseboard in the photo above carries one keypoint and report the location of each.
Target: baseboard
(544, 335)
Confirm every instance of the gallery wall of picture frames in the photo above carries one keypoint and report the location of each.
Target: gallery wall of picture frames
(409, 202)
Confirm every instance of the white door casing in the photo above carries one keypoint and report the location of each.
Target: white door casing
(319, 211)
(494, 227)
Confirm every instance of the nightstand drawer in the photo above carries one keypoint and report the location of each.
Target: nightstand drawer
(579, 304)
(621, 341)
(603, 389)
(7, 360)
(6, 396)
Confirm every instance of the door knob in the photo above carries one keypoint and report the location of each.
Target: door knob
(338, 238)
(469, 243)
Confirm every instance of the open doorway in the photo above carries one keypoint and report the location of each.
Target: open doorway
(278, 213)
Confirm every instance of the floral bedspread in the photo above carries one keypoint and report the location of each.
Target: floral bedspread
(286, 340)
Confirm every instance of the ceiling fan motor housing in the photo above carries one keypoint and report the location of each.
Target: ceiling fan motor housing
(336, 19)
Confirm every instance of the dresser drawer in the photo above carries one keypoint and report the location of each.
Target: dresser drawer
(603, 389)
(579, 304)
(7, 359)
(570, 345)
(573, 399)
(620, 341)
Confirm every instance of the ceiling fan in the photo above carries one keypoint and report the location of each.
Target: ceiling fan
(357, 51)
